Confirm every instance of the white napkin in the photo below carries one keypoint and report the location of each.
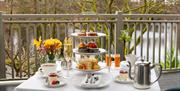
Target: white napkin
(87, 81)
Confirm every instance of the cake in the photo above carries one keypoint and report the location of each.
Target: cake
(88, 64)
(82, 34)
(123, 72)
(87, 34)
(91, 33)
(90, 47)
(82, 47)
(53, 79)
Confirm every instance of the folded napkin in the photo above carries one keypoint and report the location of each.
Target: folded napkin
(91, 81)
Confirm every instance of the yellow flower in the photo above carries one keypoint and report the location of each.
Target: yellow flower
(51, 46)
(57, 43)
(37, 42)
(48, 43)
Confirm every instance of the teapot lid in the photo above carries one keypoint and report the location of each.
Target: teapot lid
(141, 61)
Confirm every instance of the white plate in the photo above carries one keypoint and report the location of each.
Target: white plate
(128, 81)
(90, 70)
(60, 79)
(105, 81)
(101, 51)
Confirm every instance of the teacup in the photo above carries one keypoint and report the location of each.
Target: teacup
(47, 68)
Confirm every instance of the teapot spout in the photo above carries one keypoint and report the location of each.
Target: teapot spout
(129, 73)
(152, 66)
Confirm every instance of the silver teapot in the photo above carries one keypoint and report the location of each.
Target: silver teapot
(142, 74)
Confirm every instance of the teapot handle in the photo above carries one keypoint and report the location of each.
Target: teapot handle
(129, 73)
(160, 72)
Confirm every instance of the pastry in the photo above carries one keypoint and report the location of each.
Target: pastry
(123, 72)
(53, 79)
(90, 47)
(82, 34)
(82, 47)
(88, 64)
(91, 33)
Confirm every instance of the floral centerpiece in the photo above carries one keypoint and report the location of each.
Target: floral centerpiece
(49, 47)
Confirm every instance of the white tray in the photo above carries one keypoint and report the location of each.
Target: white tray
(90, 70)
(101, 51)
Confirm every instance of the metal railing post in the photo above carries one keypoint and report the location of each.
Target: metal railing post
(2, 49)
(177, 49)
(178, 37)
(119, 27)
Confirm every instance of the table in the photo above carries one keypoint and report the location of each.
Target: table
(34, 83)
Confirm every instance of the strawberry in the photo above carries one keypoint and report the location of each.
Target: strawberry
(53, 82)
(92, 45)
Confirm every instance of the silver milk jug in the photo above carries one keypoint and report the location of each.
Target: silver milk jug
(142, 74)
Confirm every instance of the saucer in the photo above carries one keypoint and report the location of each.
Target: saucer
(61, 80)
(122, 80)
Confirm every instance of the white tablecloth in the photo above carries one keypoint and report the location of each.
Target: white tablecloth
(34, 83)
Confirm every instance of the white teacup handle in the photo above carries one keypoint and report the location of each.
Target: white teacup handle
(40, 70)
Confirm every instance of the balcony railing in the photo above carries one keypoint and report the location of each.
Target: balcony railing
(154, 36)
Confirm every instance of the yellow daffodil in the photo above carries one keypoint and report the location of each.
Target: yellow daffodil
(58, 43)
(49, 46)
(48, 43)
(37, 42)
(55, 43)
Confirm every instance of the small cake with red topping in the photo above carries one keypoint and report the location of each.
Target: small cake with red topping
(90, 47)
(123, 72)
(53, 79)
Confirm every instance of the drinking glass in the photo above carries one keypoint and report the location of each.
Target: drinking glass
(108, 60)
(68, 53)
(117, 60)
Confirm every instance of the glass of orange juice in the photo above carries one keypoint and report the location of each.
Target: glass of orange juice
(117, 60)
(108, 60)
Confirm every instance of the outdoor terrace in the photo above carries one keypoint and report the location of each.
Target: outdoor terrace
(154, 36)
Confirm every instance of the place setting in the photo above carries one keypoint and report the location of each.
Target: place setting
(50, 76)
(122, 76)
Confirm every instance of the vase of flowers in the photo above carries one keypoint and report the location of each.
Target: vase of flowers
(48, 47)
